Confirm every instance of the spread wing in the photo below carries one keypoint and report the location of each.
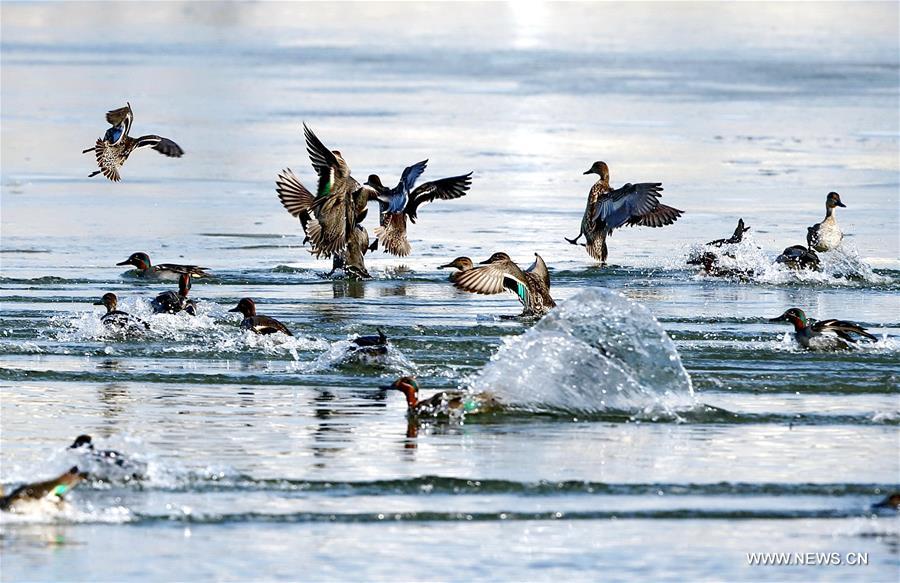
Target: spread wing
(412, 173)
(107, 160)
(328, 231)
(539, 268)
(632, 200)
(443, 189)
(295, 197)
(493, 279)
(392, 234)
(162, 145)
(122, 116)
(660, 217)
(326, 164)
(843, 329)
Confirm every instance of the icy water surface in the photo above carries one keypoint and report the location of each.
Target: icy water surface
(663, 429)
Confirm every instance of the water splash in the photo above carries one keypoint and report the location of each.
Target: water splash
(595, 353)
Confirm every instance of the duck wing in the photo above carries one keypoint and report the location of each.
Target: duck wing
(265, 325)
(632, 200)
(328, 231)
(494, 279)
(539, 269)
(294, 197)
(109, 159)
(122, 116)
(164, 146)
(192, 270)
(327, 165)
(661, 216)
(392, 234)
(443, 189)
(843, 329)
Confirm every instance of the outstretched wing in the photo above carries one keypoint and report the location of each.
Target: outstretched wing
(122, 116)
(662, 216)
(164, 146)
(326, 164)
(539, 268)
(843, 329)
(493, 279)
(443, 189)
(632, 200)
(295, 197)
(392, 234)
(328, 231)
(108, 160)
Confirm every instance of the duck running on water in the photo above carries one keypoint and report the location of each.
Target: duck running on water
(499, 273)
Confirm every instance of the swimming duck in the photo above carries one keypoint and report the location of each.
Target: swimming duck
(402, 201)
(799, 257)
(84, 446)
(113, 149)
(118, 319)
(51, 491)
(460, 263)
(373, 345)
(258, 323)
(499, 273)
(444, 402)
(608, 209)
(163, 271)
(826, 235)
(171, 302)
(824, 334)
(736, 237)
(892, 501)
(710, 260)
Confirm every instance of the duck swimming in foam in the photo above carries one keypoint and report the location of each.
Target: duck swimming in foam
(172, 302)
(444, 403)
(258, 323)
(117, 319)
(49, 492)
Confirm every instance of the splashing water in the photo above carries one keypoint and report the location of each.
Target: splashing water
(598, 352)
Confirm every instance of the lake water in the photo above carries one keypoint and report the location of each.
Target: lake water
(270, 458)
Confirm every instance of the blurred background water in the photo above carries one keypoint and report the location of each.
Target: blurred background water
(274, 458)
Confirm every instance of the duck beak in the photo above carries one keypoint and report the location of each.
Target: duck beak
(126, 262)
(781, 318)
(235, 309)
(485, 262)
(840, 204)
(98, 303)
(445, 265)
(588, 171)
(387, 387)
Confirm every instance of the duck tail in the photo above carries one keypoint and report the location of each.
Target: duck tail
(596, 248)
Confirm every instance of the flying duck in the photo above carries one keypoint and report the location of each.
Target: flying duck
(117, 319)
(113, 149)
(172, 302)
(258, 323)
(826, 235)
(499, 273)
(51, 491)
(163, 271)
(402, 201)
(608, 209)
(823, 334)
(444, 402)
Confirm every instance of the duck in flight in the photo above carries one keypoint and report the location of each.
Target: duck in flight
(163, 271)
(499, 273)
(403, 201)
(113, 149)
(608, 209)
(822, 334)
(258, 323)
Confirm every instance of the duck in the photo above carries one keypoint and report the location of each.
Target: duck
(710, 260)
(49, 491)
(372, 345)
(823, 334)
(826, 235)
(460, 263)
(352, 259)
(117, 319)
(735, 238)
(891, 501)
(500, 273)
(403, 201)
(172, 302)
(444, 403)
(799, 257)
(608, 209)
(258, 323)
(113, 149)
(84, 446)
(163, 271)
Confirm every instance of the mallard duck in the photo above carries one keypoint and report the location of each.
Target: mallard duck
(823, 334)
(117, 319)
(826, 235)
(891, 501)
(444, 402)
(799, 257)
(500, 273)
(163, 271)
(402, 201)
(171, 302)
(736, 237)
(460, 263)
(608, 209)
(51, 491)
(258, 323)
(113, 149)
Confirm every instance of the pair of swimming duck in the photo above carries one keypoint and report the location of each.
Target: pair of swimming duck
(332, 218)
(169, 302)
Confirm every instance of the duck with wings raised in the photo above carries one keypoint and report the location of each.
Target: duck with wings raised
(499, 273)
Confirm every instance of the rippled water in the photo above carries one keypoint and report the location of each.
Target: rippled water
(279, 458)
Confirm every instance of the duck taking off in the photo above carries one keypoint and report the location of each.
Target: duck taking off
(500, 273)
(608, 209)
(171, 302)
(163, 271)
(117, 319)
(735, 238)
(50, 491)
(443, 403)
(824, 334)
(402, 201)
(113, 149)
(258, 324)
(826, 235)
(460, 263)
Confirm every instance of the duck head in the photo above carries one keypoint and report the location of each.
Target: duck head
(832, 200)
(497, 257)
(246, 306)
(460, 263)
(795, 316)
(82, 441)
(407, 386)
(890, 501)
(374, 181)
(140, 260)
(184, 284)
(599, 168)
(109, 300)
